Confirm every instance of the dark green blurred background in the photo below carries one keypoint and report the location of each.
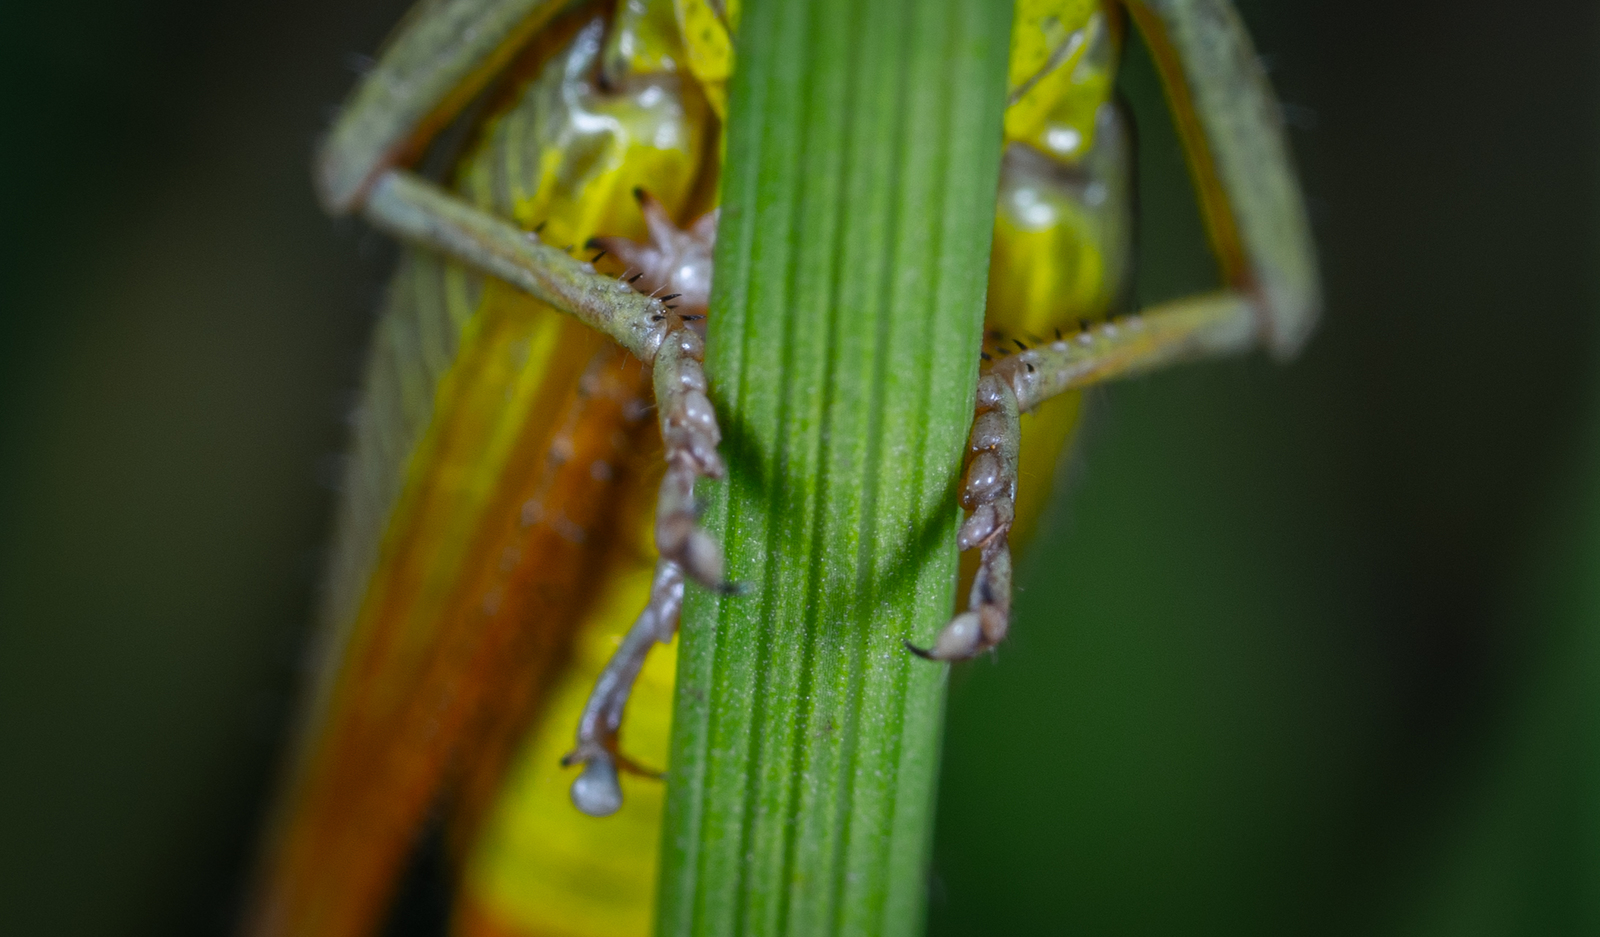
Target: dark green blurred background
(1304, 650)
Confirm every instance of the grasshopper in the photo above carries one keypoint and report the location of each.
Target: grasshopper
(497, 523)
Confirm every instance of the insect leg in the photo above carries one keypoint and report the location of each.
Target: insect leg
(418, 211)
(415, 210)
(1198, 327)
(680, 261)
(989, 491)
(1232, 131)
(689, 431)
(596, 790)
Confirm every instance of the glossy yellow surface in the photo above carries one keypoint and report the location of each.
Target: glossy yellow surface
(643, 40)
(1063, 61)
(706, 28)
(568, 154)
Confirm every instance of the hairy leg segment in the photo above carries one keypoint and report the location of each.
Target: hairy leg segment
(656, 310)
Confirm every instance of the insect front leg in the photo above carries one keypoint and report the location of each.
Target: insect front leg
(1229, 123)
(596, 790)
(989, 491)
(676, 265)
(658, 332)
(415, 210)
(1199, 327)
(679, 261)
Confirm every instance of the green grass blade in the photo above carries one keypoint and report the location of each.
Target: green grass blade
(858, 202)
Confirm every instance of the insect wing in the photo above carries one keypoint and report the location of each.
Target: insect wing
(474, 521)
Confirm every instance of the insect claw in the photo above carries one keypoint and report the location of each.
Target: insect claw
(961, 639)
(633, 767)
(635, 278)
(920, 652)
(670, 296)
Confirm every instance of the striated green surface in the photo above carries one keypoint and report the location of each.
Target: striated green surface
(857, 204)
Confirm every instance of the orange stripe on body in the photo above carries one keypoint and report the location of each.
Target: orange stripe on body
(438, 649)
